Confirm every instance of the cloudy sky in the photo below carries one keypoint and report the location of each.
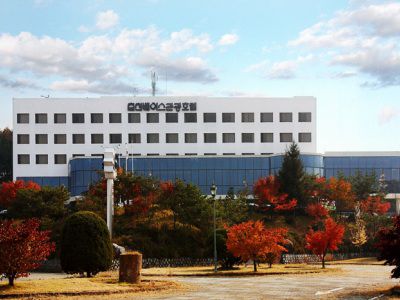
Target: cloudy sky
(345, 53)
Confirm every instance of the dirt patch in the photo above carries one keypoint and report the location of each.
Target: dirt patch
(103, 284)
(242, 271)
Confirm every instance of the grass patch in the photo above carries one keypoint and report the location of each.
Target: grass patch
(241, 271)
(357, 261)
(388, 291)
(103, 284)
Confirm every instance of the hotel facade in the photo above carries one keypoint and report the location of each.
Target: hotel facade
(230, 141)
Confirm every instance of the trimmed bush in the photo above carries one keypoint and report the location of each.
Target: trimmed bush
(85, 244)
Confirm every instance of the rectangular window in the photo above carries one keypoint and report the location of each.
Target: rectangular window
(60, 159)
(115, 138)
(41, 118)
(42, 159)
(78, 118)
(22, 118)
(153, 154)
(209, 117)
(228, 117)
(78, 155)
(210, 138)
(134, 138)
(171, 138)
(210, 154)
(247, 117)
(78, 138)
(228, 137)
(228, 153)
(23, 139)
(304, 117)
(114, 118)
(96, 118)
(41, 139)
(190, 118)
(152, 118)
(153, 138)
(305, 137)
(133, 117)
(247, 137)
(23, 159)
(60, 118)
(267, 117)
(286, 137)
(97, 138)
(60, 139)
(190, 138)
(190, 154)
(267, 137)
(172, 154)
(171, 118)
(285, 117)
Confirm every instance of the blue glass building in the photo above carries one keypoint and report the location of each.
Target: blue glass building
(226, 171)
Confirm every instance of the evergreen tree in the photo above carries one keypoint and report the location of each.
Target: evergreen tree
(5, 154)
(292, 176)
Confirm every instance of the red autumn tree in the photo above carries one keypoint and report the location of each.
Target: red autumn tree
(322, 241)
(22, 248)
(251, 240)
(389, 245)
(317, 211)
(8, 190)
(374, 205)
(266, 191)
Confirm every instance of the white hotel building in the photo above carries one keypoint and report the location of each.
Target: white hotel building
(49, 132)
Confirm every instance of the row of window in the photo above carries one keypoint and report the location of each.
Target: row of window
(136, 138)
(61, 159)
(61, 118)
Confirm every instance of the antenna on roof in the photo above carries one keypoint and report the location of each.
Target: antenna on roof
(154, 79)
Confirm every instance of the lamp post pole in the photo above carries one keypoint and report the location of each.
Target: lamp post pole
(213, 191)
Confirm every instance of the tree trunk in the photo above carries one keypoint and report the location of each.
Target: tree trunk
(11, 280)
(323, 261)
(255, 265)
(88, 274)
(270, 265)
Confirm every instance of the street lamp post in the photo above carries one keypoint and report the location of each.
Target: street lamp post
(213, 191)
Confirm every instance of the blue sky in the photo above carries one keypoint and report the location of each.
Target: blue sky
(345, 53)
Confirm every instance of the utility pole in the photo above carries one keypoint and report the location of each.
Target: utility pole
(110, 174)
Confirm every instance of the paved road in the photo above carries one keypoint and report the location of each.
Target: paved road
(319, 286)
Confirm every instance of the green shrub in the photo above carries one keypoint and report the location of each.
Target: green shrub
(85, 244)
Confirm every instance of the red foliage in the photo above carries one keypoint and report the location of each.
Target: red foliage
(374, 205)
(22, 248)
(8, 190)
(251, 240)
(167, 187)
(389, 245)
(317, 211)
(267, 193)
(322, 241)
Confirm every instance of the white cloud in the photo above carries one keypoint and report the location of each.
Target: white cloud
(387, 114)
(228, 39)
(106, 19)
(364, 38)
(105, 62)
(279, 70)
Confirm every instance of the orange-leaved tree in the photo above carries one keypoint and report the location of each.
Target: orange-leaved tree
(328, 239)
(23, 247)
(251, 240)
(317, 211)
(374, 205)
(266, 191)
(8, 190)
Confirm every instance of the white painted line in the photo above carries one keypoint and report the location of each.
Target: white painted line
(377, 297)
(328, 292)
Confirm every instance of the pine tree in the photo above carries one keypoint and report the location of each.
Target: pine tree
(291, 176)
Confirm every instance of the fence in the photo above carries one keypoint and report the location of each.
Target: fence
(312, 258)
